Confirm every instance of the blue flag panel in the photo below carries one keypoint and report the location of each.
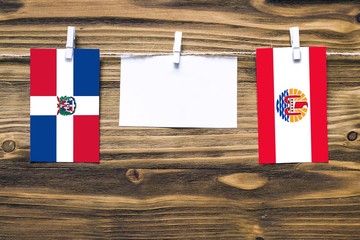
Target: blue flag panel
(43, 139)
(86, 72)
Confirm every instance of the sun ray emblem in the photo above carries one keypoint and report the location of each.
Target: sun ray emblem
(292, 105)
(66, 105)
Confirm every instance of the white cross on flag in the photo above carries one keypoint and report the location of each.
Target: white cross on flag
(64, 106)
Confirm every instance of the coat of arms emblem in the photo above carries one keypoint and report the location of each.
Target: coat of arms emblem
(292, 105)
(66, 105)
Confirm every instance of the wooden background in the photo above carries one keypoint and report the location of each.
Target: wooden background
(180, 183)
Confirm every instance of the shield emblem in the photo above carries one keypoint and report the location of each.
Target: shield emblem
(66, 105)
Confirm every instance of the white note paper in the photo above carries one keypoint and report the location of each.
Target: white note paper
(200, 92)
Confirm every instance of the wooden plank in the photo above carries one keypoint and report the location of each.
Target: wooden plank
(149, 25)
(83, 200)
(179, 183)
(185, 147)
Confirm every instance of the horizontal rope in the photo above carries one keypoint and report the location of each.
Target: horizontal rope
(128, 54)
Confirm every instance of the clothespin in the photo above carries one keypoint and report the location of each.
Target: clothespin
(177, 47)
(70, 42)
(295, 42)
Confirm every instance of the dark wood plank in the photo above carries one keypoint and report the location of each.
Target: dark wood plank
(287, 202)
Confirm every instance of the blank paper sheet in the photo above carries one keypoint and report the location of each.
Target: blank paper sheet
(200, 92)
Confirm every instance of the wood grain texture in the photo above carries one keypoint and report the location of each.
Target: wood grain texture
(166, 183)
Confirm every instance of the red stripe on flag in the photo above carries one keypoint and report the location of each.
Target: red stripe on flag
(86, 139)
(266, 105)
(319, 137)
(42, 72)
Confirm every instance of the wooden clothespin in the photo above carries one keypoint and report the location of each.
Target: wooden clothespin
(177, 47)
(70, 43)
(295, 42)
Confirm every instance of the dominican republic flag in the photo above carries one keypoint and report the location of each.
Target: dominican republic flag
(64, 106)
(291, 96)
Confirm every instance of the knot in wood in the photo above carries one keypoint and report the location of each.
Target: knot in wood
(135, 176)
(8, 146)
(352, 136)
(259, 238)
(245, 181)
(358, 18)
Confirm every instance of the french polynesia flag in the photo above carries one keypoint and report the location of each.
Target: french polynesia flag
(64, 106)
(292, 118)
